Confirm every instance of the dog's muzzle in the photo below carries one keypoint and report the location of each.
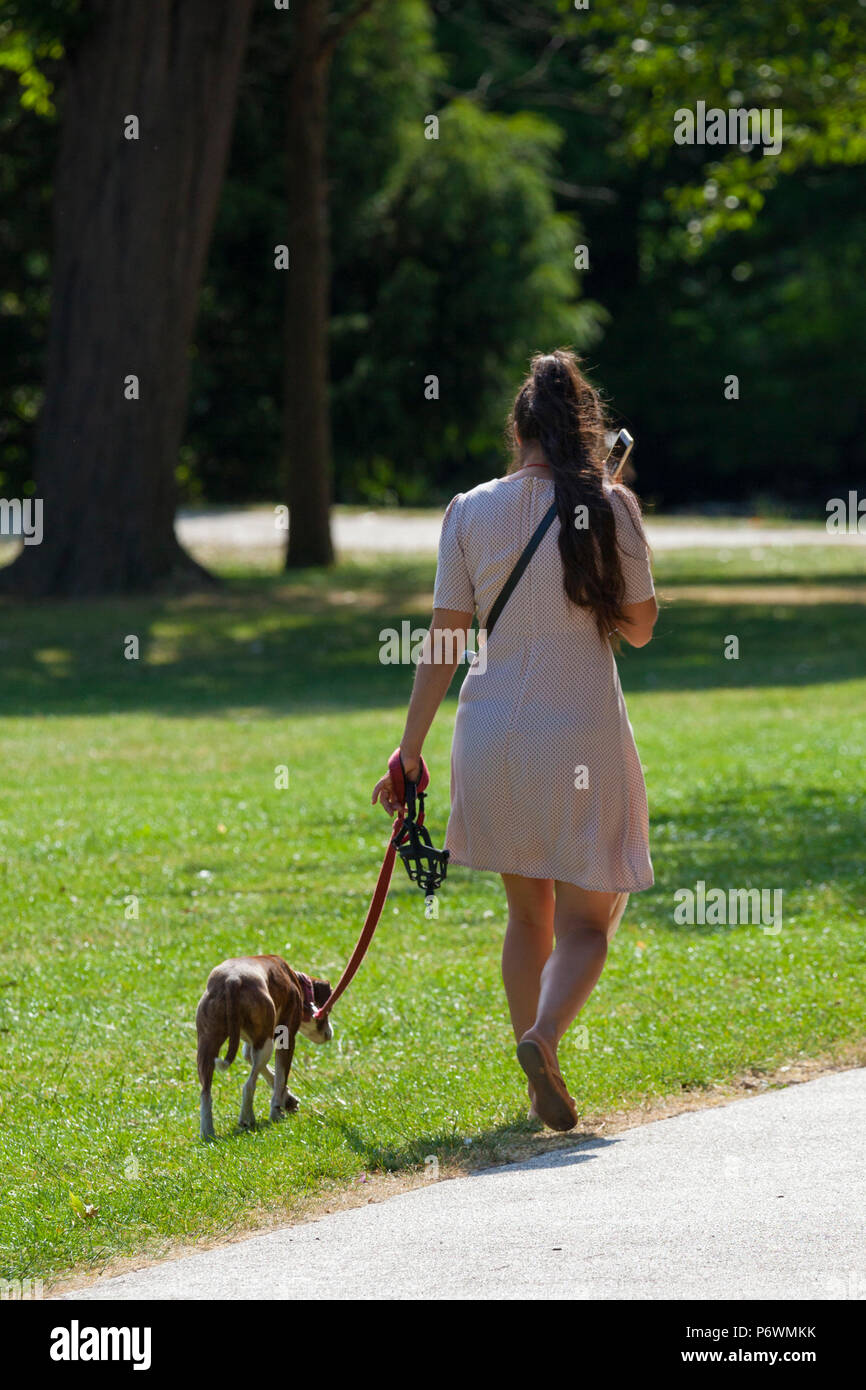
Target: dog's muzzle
(425, 864)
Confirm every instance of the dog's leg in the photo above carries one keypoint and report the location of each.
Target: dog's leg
(265, 1074)
(205, 1071)
(282, 1099)
(259, 1056)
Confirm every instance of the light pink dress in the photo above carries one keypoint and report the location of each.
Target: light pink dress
(545, 777)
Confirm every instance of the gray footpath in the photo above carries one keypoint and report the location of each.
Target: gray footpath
(761, 1198)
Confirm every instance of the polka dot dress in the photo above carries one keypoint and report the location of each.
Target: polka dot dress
(545, 777)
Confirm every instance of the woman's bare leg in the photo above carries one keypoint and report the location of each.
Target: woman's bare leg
(584, 922)
(527, 946)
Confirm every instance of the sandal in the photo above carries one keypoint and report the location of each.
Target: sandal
(552, 1102)
(532, 1113)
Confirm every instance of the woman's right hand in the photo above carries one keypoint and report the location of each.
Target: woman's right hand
(384, 788)
(384, 792)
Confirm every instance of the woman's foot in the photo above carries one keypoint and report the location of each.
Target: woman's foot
(548, 1092)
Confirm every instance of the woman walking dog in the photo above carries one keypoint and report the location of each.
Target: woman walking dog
(546, 784)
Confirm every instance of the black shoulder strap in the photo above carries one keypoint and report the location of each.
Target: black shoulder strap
(514, 577)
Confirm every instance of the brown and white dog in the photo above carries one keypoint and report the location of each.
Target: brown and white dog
(262, 1000)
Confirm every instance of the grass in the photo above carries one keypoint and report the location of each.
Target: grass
(148, 787)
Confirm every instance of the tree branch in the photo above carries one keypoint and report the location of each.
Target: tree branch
(339, 27)
(583, 193)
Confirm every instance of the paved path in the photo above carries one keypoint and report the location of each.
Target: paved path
(395, 532)
(763, 1198)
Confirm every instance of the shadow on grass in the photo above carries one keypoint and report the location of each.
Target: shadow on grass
(720, 578)
(779, 645)
(313, 642)
(490, 1151)
(770, 836)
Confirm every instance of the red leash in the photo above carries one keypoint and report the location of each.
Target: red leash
(377, 902)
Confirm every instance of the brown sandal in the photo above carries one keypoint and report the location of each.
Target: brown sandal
(532, 1113)
(552, 1102)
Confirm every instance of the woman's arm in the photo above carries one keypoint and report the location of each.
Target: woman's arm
(443, 647)
(638, 621)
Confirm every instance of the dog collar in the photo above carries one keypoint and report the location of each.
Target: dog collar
(309, 1008)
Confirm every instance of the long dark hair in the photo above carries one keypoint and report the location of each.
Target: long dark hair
(557, 408)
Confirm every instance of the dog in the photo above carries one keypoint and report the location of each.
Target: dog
(264, 1001)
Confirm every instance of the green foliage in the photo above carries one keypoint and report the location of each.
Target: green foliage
(50, 20)
(773, 307)
(384, 68)
(32, 38)
(804, 59)
(736, 263)
(19, 53)
(454, 257)
(476, 271)
(28, 137)
(464, 230)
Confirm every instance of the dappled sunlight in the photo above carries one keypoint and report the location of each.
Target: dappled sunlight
(311, 640)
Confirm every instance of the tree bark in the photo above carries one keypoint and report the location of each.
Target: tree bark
(132, 224)
(307, 432)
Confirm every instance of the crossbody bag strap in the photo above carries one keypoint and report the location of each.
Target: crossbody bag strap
(514, 577)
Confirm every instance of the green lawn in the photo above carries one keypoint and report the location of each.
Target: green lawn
(154, 779)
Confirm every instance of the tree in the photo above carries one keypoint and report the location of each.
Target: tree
(307, 439)
(239, 385)
(148, 105)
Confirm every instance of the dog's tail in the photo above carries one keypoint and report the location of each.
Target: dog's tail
(233, 1023)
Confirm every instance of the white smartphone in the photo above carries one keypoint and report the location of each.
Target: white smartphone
(616, 459)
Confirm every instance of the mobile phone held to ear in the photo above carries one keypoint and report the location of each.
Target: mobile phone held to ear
(618, 456)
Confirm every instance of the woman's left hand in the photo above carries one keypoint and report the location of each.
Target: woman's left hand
(384, 788)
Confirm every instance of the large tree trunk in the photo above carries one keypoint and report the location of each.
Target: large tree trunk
(133, 220)
(307, 432)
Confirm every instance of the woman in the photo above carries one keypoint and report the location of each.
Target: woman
(546, 785)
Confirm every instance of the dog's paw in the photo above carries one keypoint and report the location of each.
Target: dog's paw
(288, 1106)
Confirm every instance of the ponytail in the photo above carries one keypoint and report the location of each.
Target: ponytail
(557, 408)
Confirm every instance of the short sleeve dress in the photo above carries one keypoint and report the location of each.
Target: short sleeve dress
(546, 781)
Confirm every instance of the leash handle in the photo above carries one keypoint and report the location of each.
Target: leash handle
(401, 783)
(407, 791)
